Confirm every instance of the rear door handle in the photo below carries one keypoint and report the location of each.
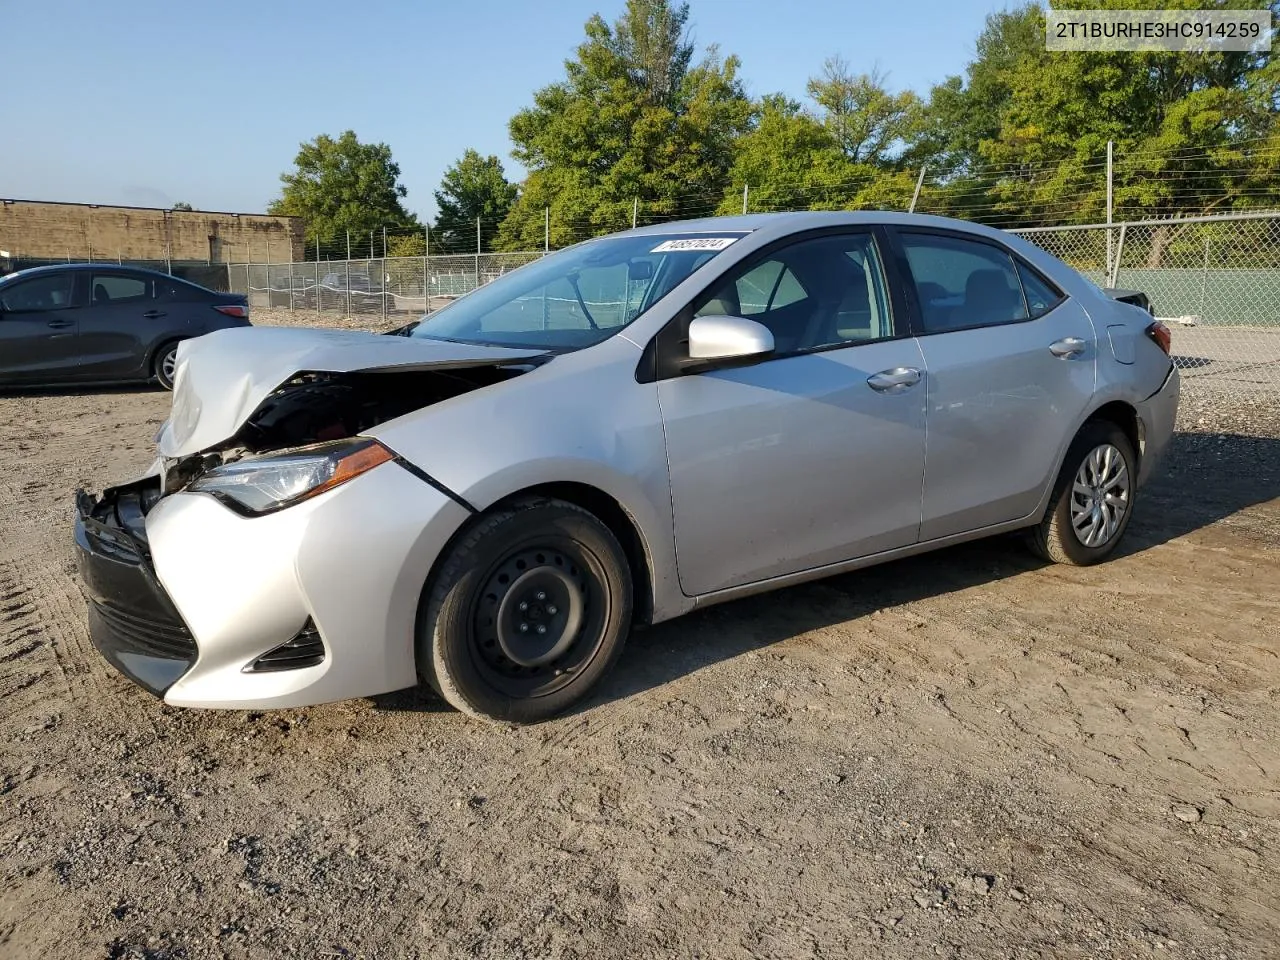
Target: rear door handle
(154, 314)
(895, 380)
(1067, 348)
(60, 324)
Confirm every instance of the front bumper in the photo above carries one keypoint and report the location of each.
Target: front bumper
(186, 595)
(132, 621)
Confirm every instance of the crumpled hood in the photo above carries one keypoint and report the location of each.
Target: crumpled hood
(223, 377)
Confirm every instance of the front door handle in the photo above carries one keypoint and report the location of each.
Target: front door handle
(60, 324)
(154, 314)
(895, 380)
(1067, 348)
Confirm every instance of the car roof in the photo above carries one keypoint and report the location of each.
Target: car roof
(78, 268)
(792, 222)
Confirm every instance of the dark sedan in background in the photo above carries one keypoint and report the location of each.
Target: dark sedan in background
(97, 323)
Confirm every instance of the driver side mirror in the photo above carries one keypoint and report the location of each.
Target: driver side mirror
(719, 340)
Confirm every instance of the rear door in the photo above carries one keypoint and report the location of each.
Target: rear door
(1011, 366)
(116, 326)
(38, 325)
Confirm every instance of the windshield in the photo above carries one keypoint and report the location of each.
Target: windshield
(578, 296)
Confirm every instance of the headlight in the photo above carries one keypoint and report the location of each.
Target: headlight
(262, 484)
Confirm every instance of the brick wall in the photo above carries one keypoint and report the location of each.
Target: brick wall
(58, 231)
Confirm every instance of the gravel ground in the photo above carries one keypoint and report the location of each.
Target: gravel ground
(969, 754)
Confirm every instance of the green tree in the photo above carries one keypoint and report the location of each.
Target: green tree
(475, 187)
(846, 155)
(1024, 140)
(407, 245)
(636, 118)
(789, 160)
(343, 185)
(869, 124)
(182, 205)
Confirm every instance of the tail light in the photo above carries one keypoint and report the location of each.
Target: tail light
(1162, 335)
(233, 310)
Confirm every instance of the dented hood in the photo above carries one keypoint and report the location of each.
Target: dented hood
(223, 377)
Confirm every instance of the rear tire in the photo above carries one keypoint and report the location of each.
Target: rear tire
(529, 610)
(164, 365)
(1092, 500)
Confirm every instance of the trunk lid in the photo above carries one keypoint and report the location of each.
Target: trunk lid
(223, 377)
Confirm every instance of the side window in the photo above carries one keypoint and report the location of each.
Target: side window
(117, 288)
(963, 283)
(38, 295)
(824, 292)
(1040, 296)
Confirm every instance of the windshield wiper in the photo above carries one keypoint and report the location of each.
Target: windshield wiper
(573, 282)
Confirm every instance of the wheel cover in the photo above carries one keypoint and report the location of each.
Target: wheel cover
(169, 363)
(539, 618)
(1100, 496)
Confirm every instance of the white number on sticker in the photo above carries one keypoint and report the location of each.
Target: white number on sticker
(693, 243)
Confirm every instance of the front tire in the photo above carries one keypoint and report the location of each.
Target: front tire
(1093, 500)
(166, 359)
(529, 610)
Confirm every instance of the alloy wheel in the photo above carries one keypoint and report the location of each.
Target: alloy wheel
(1100, 496)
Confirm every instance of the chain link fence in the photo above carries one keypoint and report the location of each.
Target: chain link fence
(1214, 280)
(382, 286)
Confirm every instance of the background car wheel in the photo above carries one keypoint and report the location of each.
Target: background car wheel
(166, 357)
(1093, 500)
(528, 611)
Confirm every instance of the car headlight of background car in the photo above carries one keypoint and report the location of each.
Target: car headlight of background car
(257, 485)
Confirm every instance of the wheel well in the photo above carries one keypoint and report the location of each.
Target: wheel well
(1126, 418)
(620, 523)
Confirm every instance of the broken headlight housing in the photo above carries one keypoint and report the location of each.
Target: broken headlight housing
(256, 485)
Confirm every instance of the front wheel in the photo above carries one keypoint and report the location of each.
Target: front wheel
(1093, 500)
(166, 364)
(529, 609)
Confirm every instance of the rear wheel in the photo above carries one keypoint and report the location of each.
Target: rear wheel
(1093, 500)
(528, 611)
(165, 364)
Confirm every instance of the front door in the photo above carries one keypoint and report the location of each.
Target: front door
(38, 325)
(815, 455)
(1011, 371)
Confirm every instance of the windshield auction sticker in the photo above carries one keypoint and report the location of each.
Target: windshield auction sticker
(1206, 31)
(693, 243)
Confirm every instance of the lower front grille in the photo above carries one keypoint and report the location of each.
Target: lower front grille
(133, 632)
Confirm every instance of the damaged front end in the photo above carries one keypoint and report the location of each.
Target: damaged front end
(132, 621)
(257, 437)
(318, 410)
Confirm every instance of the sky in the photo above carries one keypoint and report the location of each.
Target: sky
(152, 102)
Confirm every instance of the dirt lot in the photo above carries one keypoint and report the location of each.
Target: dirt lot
(965, 755)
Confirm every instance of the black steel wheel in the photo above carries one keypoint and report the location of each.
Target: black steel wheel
(527, 612)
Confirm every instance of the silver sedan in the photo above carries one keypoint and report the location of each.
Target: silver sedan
(491, 497)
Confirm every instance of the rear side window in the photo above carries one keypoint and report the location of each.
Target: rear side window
(1041, 297)
(42, 293)
(117, 288)
(963, 284)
